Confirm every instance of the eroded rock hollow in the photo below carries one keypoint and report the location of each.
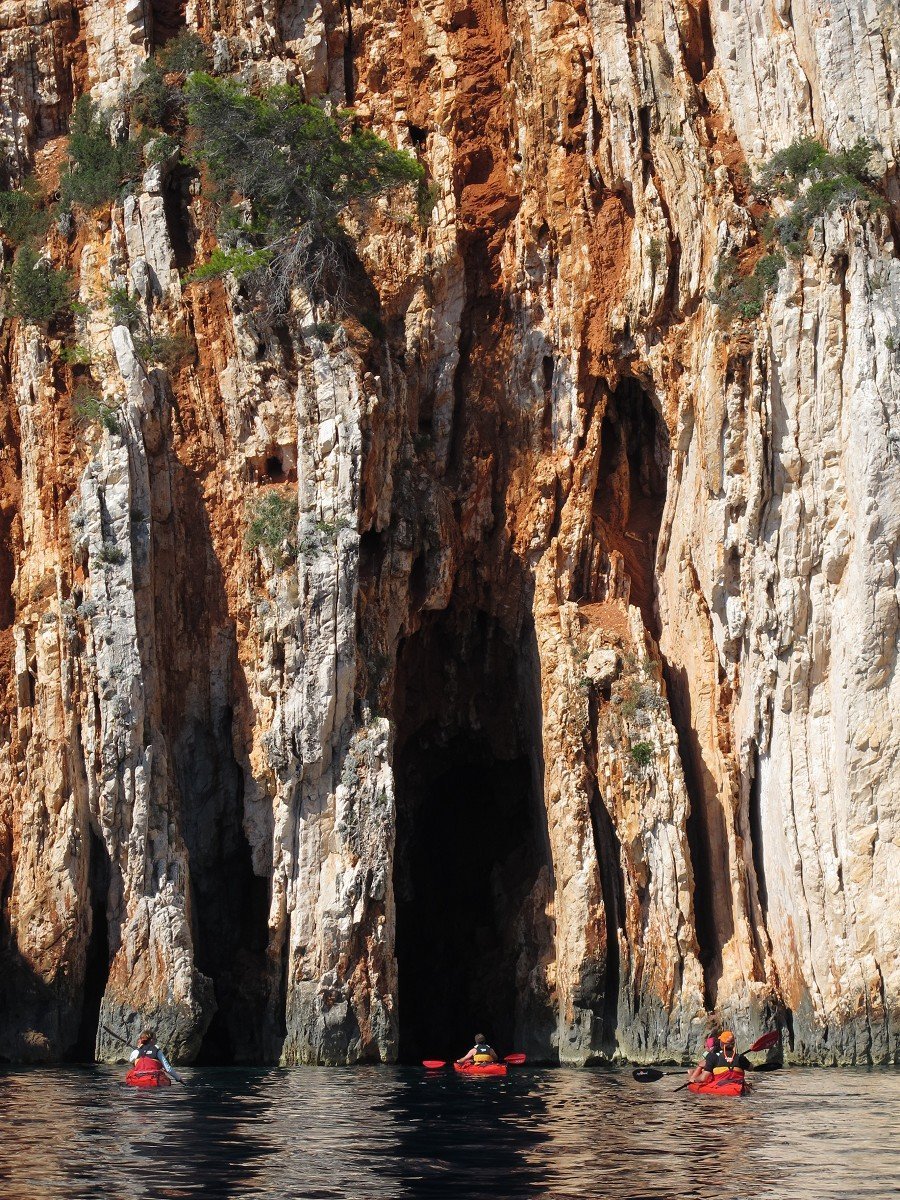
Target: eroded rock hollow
(564, 704)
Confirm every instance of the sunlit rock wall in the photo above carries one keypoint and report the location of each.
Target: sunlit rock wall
(696, 525)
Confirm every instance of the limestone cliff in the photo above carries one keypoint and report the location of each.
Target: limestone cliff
(576, 713)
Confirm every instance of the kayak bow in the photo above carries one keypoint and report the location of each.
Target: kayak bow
(479, 1069)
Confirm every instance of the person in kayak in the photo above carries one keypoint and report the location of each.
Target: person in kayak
(720, 1060)
(712, 1043)
(148, 1057)
(480, 1053)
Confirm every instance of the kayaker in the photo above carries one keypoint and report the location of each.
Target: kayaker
(712, 1043)
(720, 1059)
(148, 1056)
(481, 1052)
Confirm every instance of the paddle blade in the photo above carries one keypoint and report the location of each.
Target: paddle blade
(647, 1074)
(514, 1060)
(773, 1066)
(433, 1064)
(766, 1041)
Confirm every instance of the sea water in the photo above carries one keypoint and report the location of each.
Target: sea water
(316, 1133)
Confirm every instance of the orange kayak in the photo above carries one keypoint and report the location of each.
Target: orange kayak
(480, 1068)
(725, 1085)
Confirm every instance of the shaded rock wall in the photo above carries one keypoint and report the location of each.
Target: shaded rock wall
(685, 535)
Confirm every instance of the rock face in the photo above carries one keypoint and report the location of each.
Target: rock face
(575, 714)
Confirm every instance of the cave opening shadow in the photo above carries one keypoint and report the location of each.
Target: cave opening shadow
(97, 958)
(471, 876)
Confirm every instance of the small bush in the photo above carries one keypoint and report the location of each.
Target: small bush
(239, 262)
(291, 159)
(76, 356)
(39, 293)
(631, 699)
(786, 168)
(91, 409)
(156, 98)
(97, 169)
(161, 148)
(169, 350)
(741, 297)
(324, 330)
(768, 269)
(298, 166)
(124, 308)
(273, 525)
(21, 217)
(184, 53)
(642, 753)
(427, 196)
(109, 553)
(152, 100)
(833, 180)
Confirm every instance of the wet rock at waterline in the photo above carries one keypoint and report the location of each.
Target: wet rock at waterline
(557, 690)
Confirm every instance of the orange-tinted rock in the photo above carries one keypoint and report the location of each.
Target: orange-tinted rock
(576, 709)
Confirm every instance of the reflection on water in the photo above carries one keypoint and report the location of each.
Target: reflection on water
(385, 1132)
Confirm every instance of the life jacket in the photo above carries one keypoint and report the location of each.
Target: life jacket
(728, 1066)
(482, 1053)
(147, 1071)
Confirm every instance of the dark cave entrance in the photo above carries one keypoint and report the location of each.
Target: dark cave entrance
(631, 488)
(230, 902)
(176, 208)
(97, 958)
(471, 872)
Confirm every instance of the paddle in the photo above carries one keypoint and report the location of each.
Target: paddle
(766, 1042)
(435, 1064)
(650, 1074)
(117, 1036)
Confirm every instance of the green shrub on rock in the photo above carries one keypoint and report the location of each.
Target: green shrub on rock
(239, 262)
(97, 168)
(157, 98)
(39, 292)
(153, 101)
(642, 753)
(273, 525)
(741, 297)
(298, 166)
(183, 54)
(91, 409)
(21, 217)
(294, 161)
(124, 308)
(817, 182)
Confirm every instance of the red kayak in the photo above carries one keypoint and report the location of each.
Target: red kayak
(147, 1073)
(729, 1084)
(480, 1068)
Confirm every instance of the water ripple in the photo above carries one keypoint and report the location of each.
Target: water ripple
(324, 1134)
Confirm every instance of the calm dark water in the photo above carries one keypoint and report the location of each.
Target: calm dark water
(385, 1132)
